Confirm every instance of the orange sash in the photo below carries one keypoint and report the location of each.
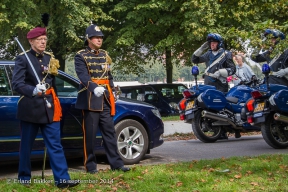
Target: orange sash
(112, 99)
(57, 107)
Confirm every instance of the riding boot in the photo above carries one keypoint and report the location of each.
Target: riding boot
(237, 134)
(223, 135)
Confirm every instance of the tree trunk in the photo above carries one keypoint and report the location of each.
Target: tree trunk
(169, 66)
(23, 40)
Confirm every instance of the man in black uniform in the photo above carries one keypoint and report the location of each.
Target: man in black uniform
(39, 107)
(279, 64)
(219, 65)
(219, 62)
(96, 99)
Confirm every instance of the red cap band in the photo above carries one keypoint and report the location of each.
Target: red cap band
(36, 32)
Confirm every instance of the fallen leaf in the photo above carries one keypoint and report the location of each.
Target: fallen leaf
(254, 183)
(237, 176)
(178, 184)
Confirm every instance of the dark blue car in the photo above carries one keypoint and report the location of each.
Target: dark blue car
(138, 125)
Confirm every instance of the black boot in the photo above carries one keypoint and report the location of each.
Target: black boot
(223, 136)
(237, 134)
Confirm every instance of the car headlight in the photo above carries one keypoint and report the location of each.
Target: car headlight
(156, 112)
(174, 105)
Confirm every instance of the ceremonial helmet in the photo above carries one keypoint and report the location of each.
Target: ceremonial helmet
(92, 31)
(274, 33)
(215, 37)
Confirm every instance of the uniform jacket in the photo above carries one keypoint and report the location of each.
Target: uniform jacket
(33, 108)
(277, 63)
(208, 58)
(92, 66)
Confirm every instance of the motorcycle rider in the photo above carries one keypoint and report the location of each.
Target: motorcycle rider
(279, 64)
(219, 64)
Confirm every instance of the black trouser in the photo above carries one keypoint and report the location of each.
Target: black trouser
(223, 87)
(91, 121)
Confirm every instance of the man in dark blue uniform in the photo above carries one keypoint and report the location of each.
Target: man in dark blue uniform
(39, 107)
(279, 64)
(96, 100)
(219, 65)
(219, 62)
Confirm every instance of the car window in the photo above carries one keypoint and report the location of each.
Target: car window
(171, 91)
(5, 77)
(65, 88)
(135, 93)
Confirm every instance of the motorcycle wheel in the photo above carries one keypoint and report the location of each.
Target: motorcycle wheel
(203, 129)
(275, 133)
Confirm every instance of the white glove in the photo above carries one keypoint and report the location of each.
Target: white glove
(223, 72)
(39, 89)
(216, 75)
(281, 72)
(98, 91)
(199, 51)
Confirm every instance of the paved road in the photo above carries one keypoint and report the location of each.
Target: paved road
(173, 151)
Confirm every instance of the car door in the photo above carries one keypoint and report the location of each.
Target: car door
(71, 123)
(9, 126)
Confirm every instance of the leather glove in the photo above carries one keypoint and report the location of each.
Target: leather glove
(39, 89)
(205, 46)
(199, 51)
(98, 91)
(281, 72)
(216, 75)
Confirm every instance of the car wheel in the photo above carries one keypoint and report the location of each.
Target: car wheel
(132, 141)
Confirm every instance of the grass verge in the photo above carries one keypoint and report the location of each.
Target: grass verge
(261, 173)
(171, 118)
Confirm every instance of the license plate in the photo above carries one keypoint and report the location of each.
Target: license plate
(189, 105)
(259, 107)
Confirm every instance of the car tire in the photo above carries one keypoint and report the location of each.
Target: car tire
(132, 141)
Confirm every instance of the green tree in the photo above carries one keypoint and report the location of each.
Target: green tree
(66, 29)
(137, 32)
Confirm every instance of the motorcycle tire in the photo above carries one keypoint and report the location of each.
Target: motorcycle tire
(274, 133)
(203, 130)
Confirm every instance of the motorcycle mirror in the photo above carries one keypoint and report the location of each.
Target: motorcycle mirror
(195, 71)
(265, 69)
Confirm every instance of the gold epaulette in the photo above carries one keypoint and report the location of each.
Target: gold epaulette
(82, 50)
(49, 53)
(23, 52)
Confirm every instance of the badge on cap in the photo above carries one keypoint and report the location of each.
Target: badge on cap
(97, 28)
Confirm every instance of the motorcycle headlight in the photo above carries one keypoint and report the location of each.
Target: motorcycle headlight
(156, 113)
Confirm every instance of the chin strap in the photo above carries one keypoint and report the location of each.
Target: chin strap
(96, 48)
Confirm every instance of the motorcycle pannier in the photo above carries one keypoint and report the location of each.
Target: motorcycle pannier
(281, 101)
(212, 100)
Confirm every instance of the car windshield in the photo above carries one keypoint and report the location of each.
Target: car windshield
(171, 91)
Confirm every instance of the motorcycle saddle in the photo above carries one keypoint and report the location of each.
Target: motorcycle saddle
(232, 99)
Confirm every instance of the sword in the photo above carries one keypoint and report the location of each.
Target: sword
(36, 75)
(33, 69)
